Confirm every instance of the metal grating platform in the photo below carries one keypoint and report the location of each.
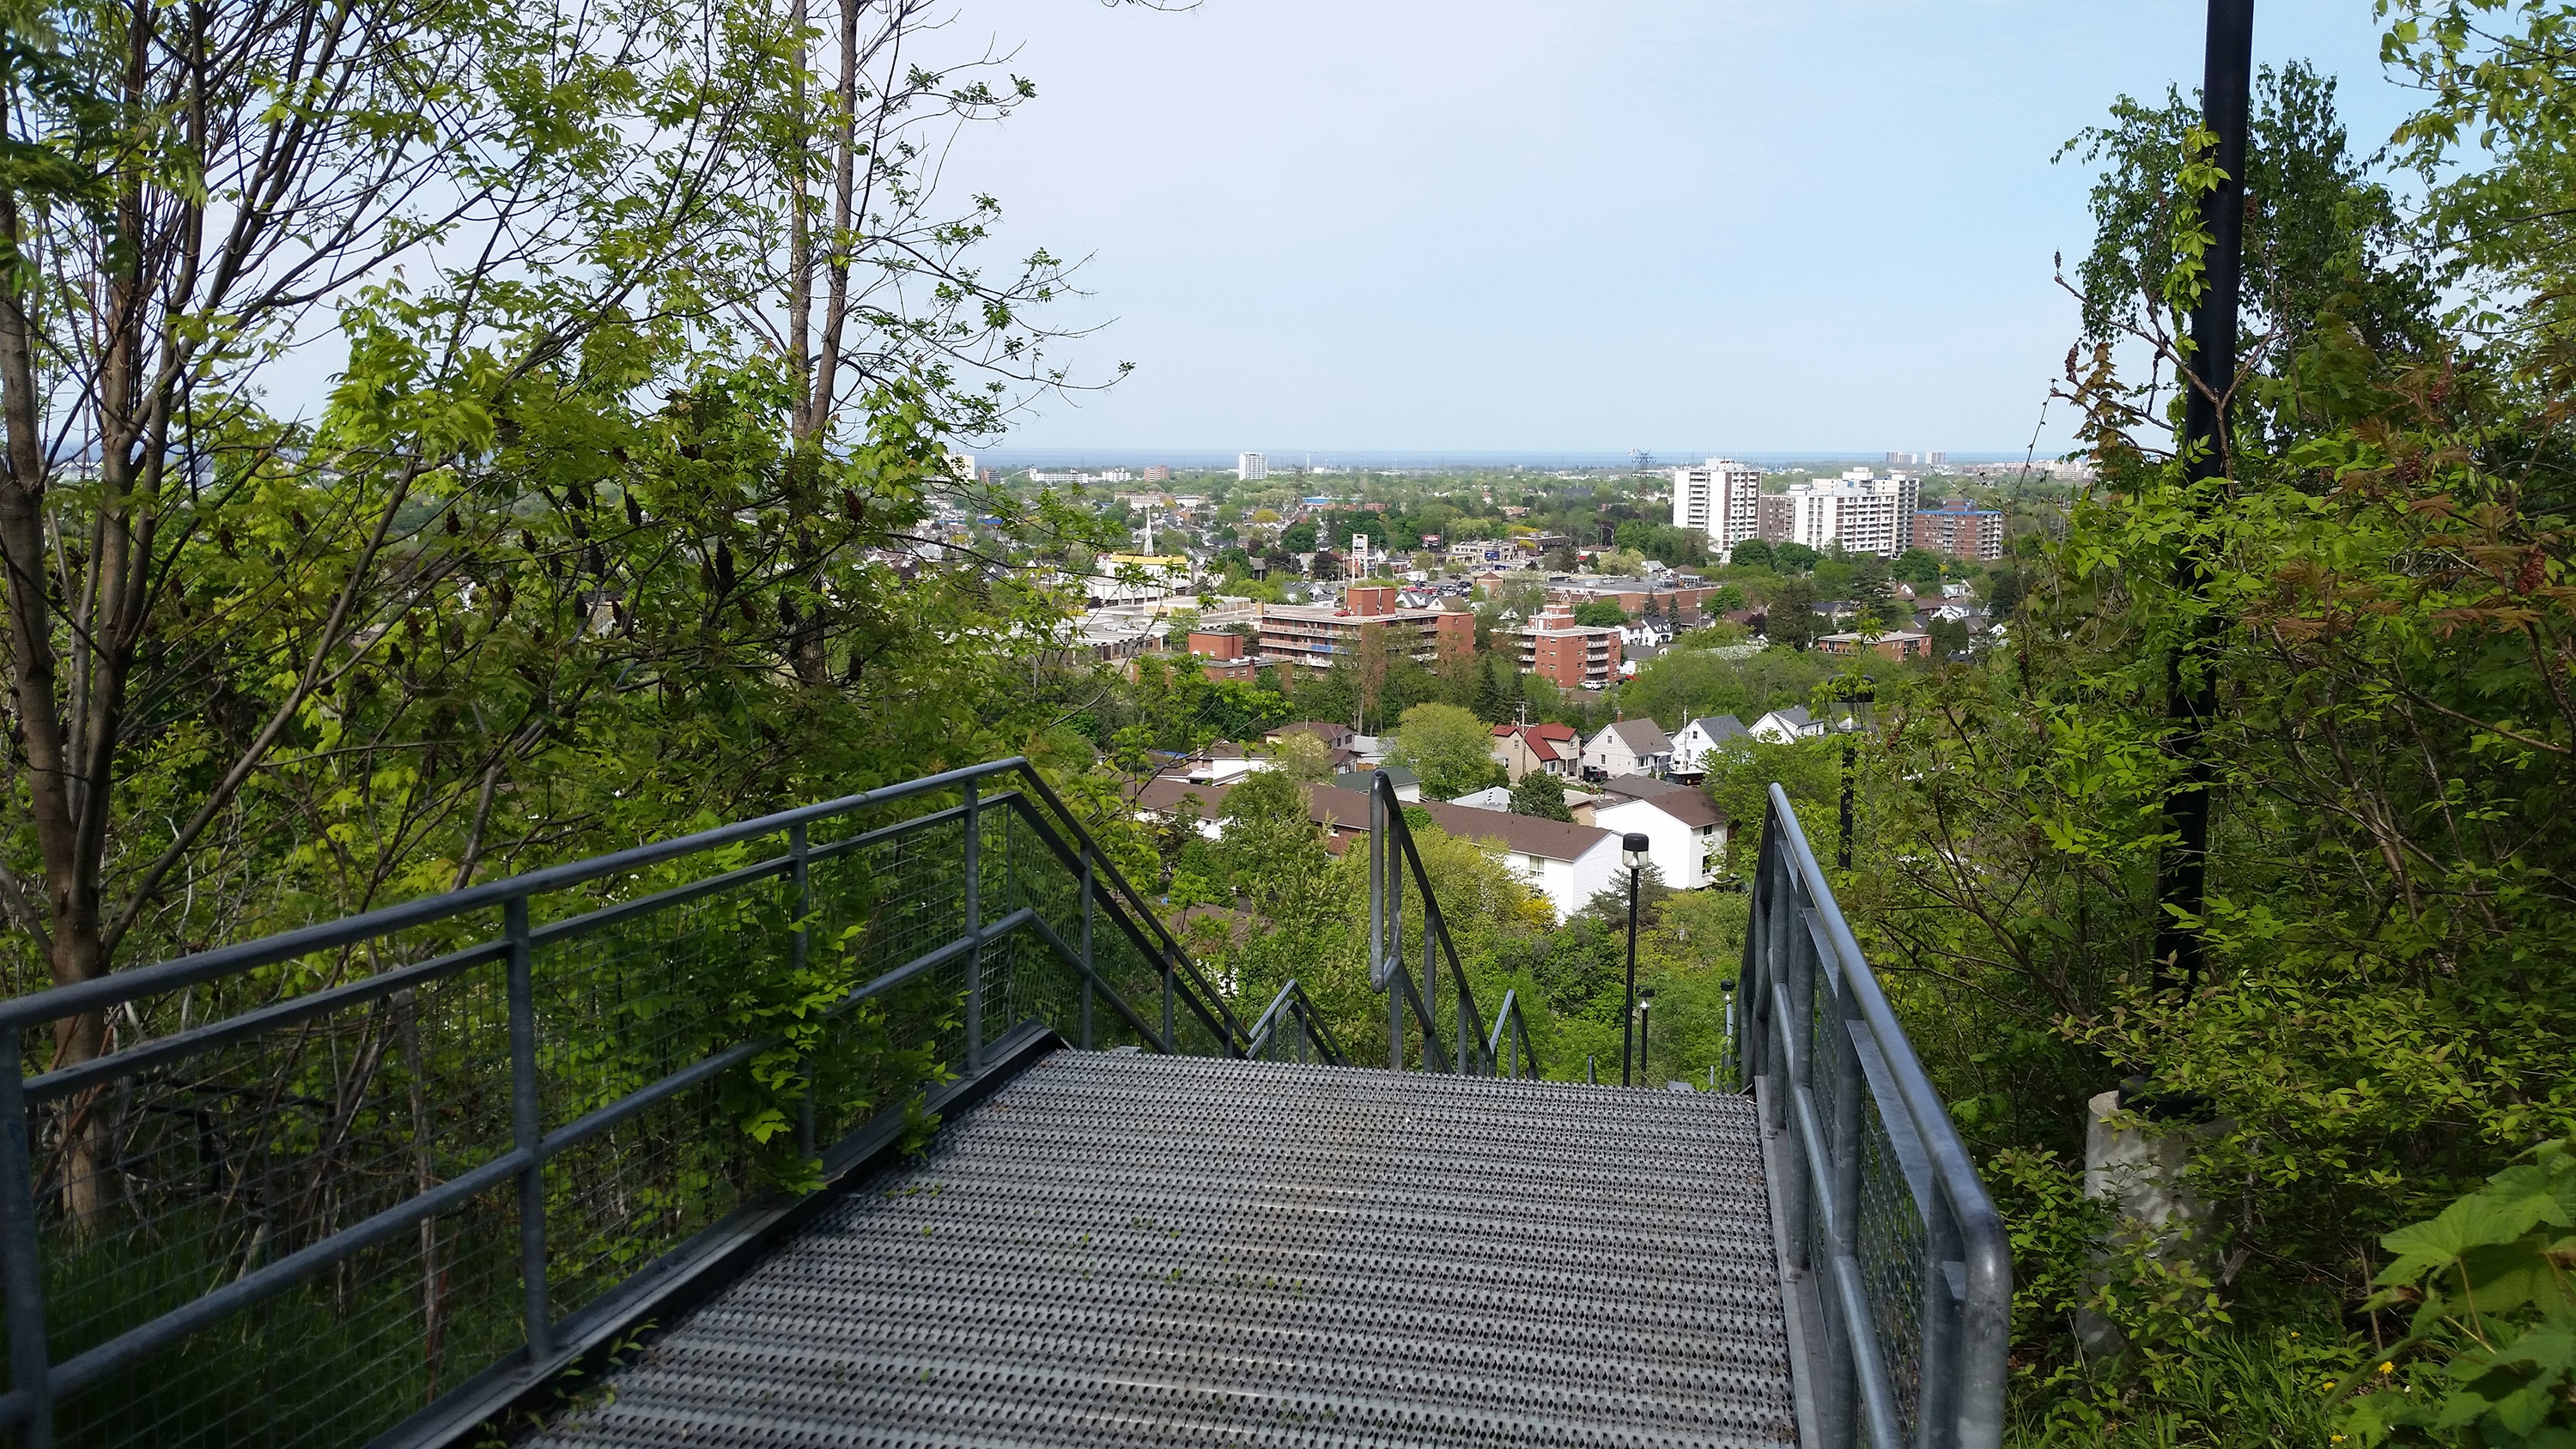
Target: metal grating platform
(1124, 1249)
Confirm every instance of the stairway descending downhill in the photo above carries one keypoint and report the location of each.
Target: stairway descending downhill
(1118, 1248)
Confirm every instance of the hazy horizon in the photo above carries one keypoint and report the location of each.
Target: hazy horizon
(1513, 222)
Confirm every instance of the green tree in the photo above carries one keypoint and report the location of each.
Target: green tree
(1791, 614)
(1600, 614)
(1794, 557)
(1541, 794)
(1447, 747)
(1920, 567)
(1493, 695)
(1752, 553)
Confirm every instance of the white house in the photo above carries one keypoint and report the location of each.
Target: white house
(1781, 726)
(1700, 740)
(1685, 830)
(1629, 747)
(1567, 864)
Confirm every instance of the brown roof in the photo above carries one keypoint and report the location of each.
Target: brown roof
(1166, 795)
(1328, 732)
(1347, 811)
(1681, 802)
(1521, 834)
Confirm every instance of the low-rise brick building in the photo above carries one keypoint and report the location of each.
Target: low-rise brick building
(1571, 655)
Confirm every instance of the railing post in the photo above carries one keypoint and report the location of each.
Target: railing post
(1377, 933)
(1169, 972)
(527, 1129)
(1837, 1055)
(797, 947)
(1937, 1394)
(1089, 965)
(22, 1269)
(975, 951)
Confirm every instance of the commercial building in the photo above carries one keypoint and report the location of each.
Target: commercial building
(1863, 513)
(1221, 655)
(1571, 655)
(1960, 531)
(1159, 473)
(1721, 500)
(1134, 578)
(1314, 635)
(1251, 467)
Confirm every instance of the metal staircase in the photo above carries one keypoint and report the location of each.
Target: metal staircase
(1132, 1249)
(641, 1150)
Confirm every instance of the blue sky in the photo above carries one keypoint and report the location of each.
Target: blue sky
(1798, 225)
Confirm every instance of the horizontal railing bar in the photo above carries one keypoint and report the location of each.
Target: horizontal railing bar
(606, 916)
(884, 833)
(147, 1055)
(574, 927)
(171, 975)
(49, 1085)
(1269, 1020)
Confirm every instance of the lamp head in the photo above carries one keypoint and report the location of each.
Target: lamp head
(1632, 849)
(1645, 999)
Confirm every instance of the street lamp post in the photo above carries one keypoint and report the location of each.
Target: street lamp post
(1632, 851)
(1855, 722)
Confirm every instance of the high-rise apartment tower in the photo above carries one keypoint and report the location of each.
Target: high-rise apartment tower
(1252, 467)
(1720, 499)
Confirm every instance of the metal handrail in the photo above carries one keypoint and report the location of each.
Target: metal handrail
(1476, 1051)
(1314, 1041)
(1870, 1182)
(37, 1381)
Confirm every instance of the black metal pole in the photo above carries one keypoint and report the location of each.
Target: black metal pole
(2191, 688)
(1628, 1032)
(1851, 761)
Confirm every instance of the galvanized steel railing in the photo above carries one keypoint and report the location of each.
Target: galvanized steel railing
(1502, 1050)
(1294, 1030)
(373, 1179)
(1896, 1267)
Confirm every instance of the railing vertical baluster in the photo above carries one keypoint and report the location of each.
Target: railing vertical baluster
(1430, 980)
(1937, 1382)
(1788, 1064)
(527, 1128)
(1169, 1045)
(1836, 1054)
(975, 952)
(22, 1272)
(1089, 964)
(1377, 952)
(797, 948)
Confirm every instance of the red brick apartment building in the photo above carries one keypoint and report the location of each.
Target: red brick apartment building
(1314, 635)
(1556, 648)
(1955, 529)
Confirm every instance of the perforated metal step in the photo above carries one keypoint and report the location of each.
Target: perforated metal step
(1123, 1249)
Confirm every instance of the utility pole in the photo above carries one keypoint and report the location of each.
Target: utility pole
(2191, 685)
